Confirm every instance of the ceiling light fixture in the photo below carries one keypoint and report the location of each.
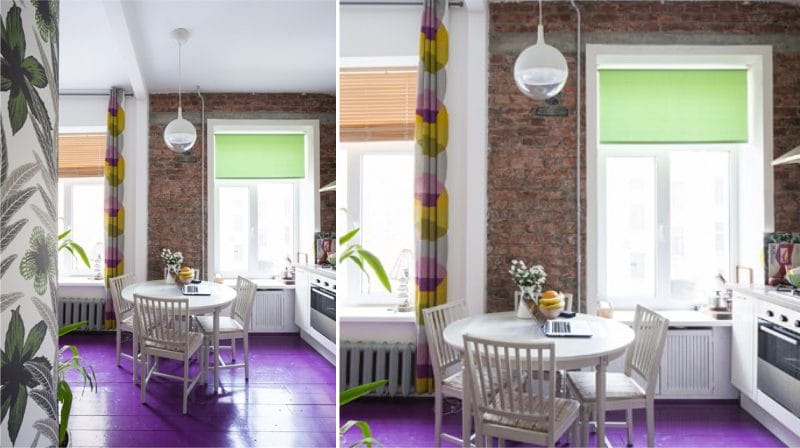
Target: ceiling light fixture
(540, 70)
(792, 156)
(180, 134)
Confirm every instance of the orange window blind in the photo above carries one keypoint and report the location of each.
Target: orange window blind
(81, 155)
(377, 104)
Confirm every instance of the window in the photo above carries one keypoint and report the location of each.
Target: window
(257, 226)
(666, 224)
(383, 175)
(668, 140)
(377, 110)
(257, 184)
(81, 191)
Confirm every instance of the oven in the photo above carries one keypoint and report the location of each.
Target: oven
(779, 356)
(323, 306)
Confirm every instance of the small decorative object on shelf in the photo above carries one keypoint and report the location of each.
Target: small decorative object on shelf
(529, 280)
(172, 263)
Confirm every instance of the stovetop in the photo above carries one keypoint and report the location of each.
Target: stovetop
(787, 291)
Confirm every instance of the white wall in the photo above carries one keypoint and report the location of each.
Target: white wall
(393, 31)
(81, 112)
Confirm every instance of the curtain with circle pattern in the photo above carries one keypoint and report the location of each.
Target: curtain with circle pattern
(113, 210)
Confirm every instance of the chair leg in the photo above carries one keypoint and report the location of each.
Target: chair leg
(576, 428)
(233, 350)
(144, 369)
(136, 358)
(651, 421)
(437, 418)
(629, 423)
(246, 343)
(119, 343)
(185, 382)
(584, 425)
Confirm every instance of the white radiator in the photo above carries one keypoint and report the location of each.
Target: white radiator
(76, 309)
(365, 362)
(273, 311)
(687, 367)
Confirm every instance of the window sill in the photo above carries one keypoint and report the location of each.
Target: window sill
(374, 313)
(80, 281)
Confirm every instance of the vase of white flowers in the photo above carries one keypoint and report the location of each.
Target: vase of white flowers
(529, 280)
(172, 264)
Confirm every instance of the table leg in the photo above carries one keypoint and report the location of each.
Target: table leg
(135, 348)
(600, 404)
(216, 350)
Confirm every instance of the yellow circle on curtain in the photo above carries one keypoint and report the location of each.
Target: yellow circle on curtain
(115, 225)
(116, 124)
(428, 228)
(115, 175)
(116, 270)
(435, 53)
(427, 299)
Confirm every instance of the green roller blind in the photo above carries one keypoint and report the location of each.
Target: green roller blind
(259, 156)
(673, 106)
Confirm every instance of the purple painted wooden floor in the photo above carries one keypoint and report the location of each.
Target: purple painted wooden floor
(409, 423)
(290, 400)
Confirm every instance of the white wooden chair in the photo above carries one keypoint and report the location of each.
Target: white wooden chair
(237, 326)
(444, 357)
(511, 396)
(622, 391)
(123, 314)
(163, 329)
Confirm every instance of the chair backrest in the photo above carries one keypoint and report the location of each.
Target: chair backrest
(508, 379)
(116, 285)
(436, 318)
(242, 308)
(164, 322)
(644, 356)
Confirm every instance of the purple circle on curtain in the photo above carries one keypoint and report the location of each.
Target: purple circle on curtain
(113, 257)
(112, 206)
(430, 23)
(429, 274)
(427, 189)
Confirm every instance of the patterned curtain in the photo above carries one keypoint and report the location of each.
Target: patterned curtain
(430, 172)
(114, 212)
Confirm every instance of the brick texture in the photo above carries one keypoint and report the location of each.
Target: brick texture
(174, 219)
(531, 187)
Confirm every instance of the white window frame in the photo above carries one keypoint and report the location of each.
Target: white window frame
(307, 191)
(754, 170)
(663, 239)
(65, 222)
(351, 281)
(252, 186)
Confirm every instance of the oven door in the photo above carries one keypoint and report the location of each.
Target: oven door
(323, 312)
(779, 364)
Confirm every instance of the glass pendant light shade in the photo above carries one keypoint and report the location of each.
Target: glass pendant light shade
(541, 70)
(180, 134)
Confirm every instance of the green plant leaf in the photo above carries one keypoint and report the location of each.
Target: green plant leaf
(64, 234)
(34, 340)
(359, 391)
(376, 266)
(81, 253)
(65, 399)
(17, 412)
(348, 236)
(66, 329)
(366, 433)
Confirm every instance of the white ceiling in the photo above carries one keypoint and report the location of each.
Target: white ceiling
(235, 46)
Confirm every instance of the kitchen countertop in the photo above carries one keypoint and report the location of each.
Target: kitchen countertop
(762, 292)
(317, 270)
(677, 318)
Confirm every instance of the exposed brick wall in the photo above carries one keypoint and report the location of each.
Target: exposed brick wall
(531, 187)
(174, 219)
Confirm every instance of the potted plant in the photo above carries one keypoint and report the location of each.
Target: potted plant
(362, 258)
(172, 262)
(346, 397)
(529, 280)
(72, 362)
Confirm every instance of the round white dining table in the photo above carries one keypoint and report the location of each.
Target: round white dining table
(609, 340)
(221, 296)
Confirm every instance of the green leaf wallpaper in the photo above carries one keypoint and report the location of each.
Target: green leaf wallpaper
(28, 182)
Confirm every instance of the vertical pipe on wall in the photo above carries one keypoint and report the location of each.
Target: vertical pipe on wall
(579, 258)
(203, 218)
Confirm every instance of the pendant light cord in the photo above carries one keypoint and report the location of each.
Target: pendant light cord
(179, 75)
(540, 12)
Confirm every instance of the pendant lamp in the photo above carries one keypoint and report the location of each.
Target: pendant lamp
(180, 134)
(541, 70)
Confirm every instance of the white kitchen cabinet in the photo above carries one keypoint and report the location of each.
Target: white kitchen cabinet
(743, 345)
(302, 299)
(273, 311)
